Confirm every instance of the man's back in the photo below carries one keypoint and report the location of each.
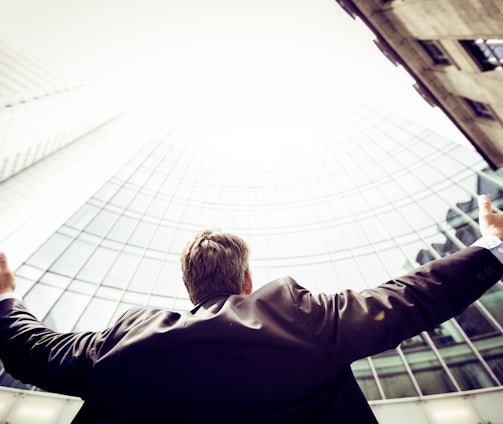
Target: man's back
(236, 359)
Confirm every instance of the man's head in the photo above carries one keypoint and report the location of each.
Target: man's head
(215, 262)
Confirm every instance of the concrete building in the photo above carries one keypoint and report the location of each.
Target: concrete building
(454, 51)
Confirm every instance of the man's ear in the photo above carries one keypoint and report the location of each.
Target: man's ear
(248, 283)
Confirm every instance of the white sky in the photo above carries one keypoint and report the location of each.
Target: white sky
(260, 58)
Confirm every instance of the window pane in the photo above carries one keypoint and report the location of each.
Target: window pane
(395, 222)
(106, 192)
(393, 376)
(97, 315)
(372, 270)
(161, 239)
(98, 264)
(446, 334)
(491, 350)
(83, 216)
(169, 281)
(102, 223)
(123, 197)
(73, 258)
(40, 299)
(431, 377)
(145, 275)
(157, 208)
(346, 271)
(473, 323)
(55, 280)
(464, 365)
(142, 234)
(122, 229)
(366, 381)
(140, 203)
(122, 270)
(469, 372)
(492, 300)
(45, 256)
(395, 261)
(66, 311)
(354, 234)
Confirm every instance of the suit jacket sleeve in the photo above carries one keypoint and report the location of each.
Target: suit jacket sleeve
(57, 362)
(348, 326)
(34, 354)
(352, 325)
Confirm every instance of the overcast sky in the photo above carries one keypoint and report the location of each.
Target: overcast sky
(256, 56)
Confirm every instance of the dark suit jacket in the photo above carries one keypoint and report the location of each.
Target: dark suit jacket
(282, 354)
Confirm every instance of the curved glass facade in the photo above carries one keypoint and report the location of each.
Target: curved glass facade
(362, 196)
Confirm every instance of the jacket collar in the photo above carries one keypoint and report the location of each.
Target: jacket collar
(208, 298)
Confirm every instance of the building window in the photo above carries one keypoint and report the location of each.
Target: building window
(488, 54)
(480, 109)
(434, 50)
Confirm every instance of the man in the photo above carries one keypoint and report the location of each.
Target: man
(279, 355)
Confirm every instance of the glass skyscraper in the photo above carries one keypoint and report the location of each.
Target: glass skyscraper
(350, 199)
(42, 110)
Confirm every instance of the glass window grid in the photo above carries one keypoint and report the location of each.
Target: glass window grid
(296, 266)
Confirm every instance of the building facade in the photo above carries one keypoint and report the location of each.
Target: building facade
(454, 51)
(363, 196)
(43, 110)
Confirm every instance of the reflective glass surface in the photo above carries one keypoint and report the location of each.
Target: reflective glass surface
(363, 196)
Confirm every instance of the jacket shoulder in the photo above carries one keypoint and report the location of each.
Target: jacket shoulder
(284, 286)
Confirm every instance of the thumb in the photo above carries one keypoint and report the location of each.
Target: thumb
(485, 212)
(484, 206)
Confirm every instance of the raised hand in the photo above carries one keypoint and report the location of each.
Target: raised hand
(7, 281)
(491, 224)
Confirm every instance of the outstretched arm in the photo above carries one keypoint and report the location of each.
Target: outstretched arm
(373, 320)
(35, 354)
